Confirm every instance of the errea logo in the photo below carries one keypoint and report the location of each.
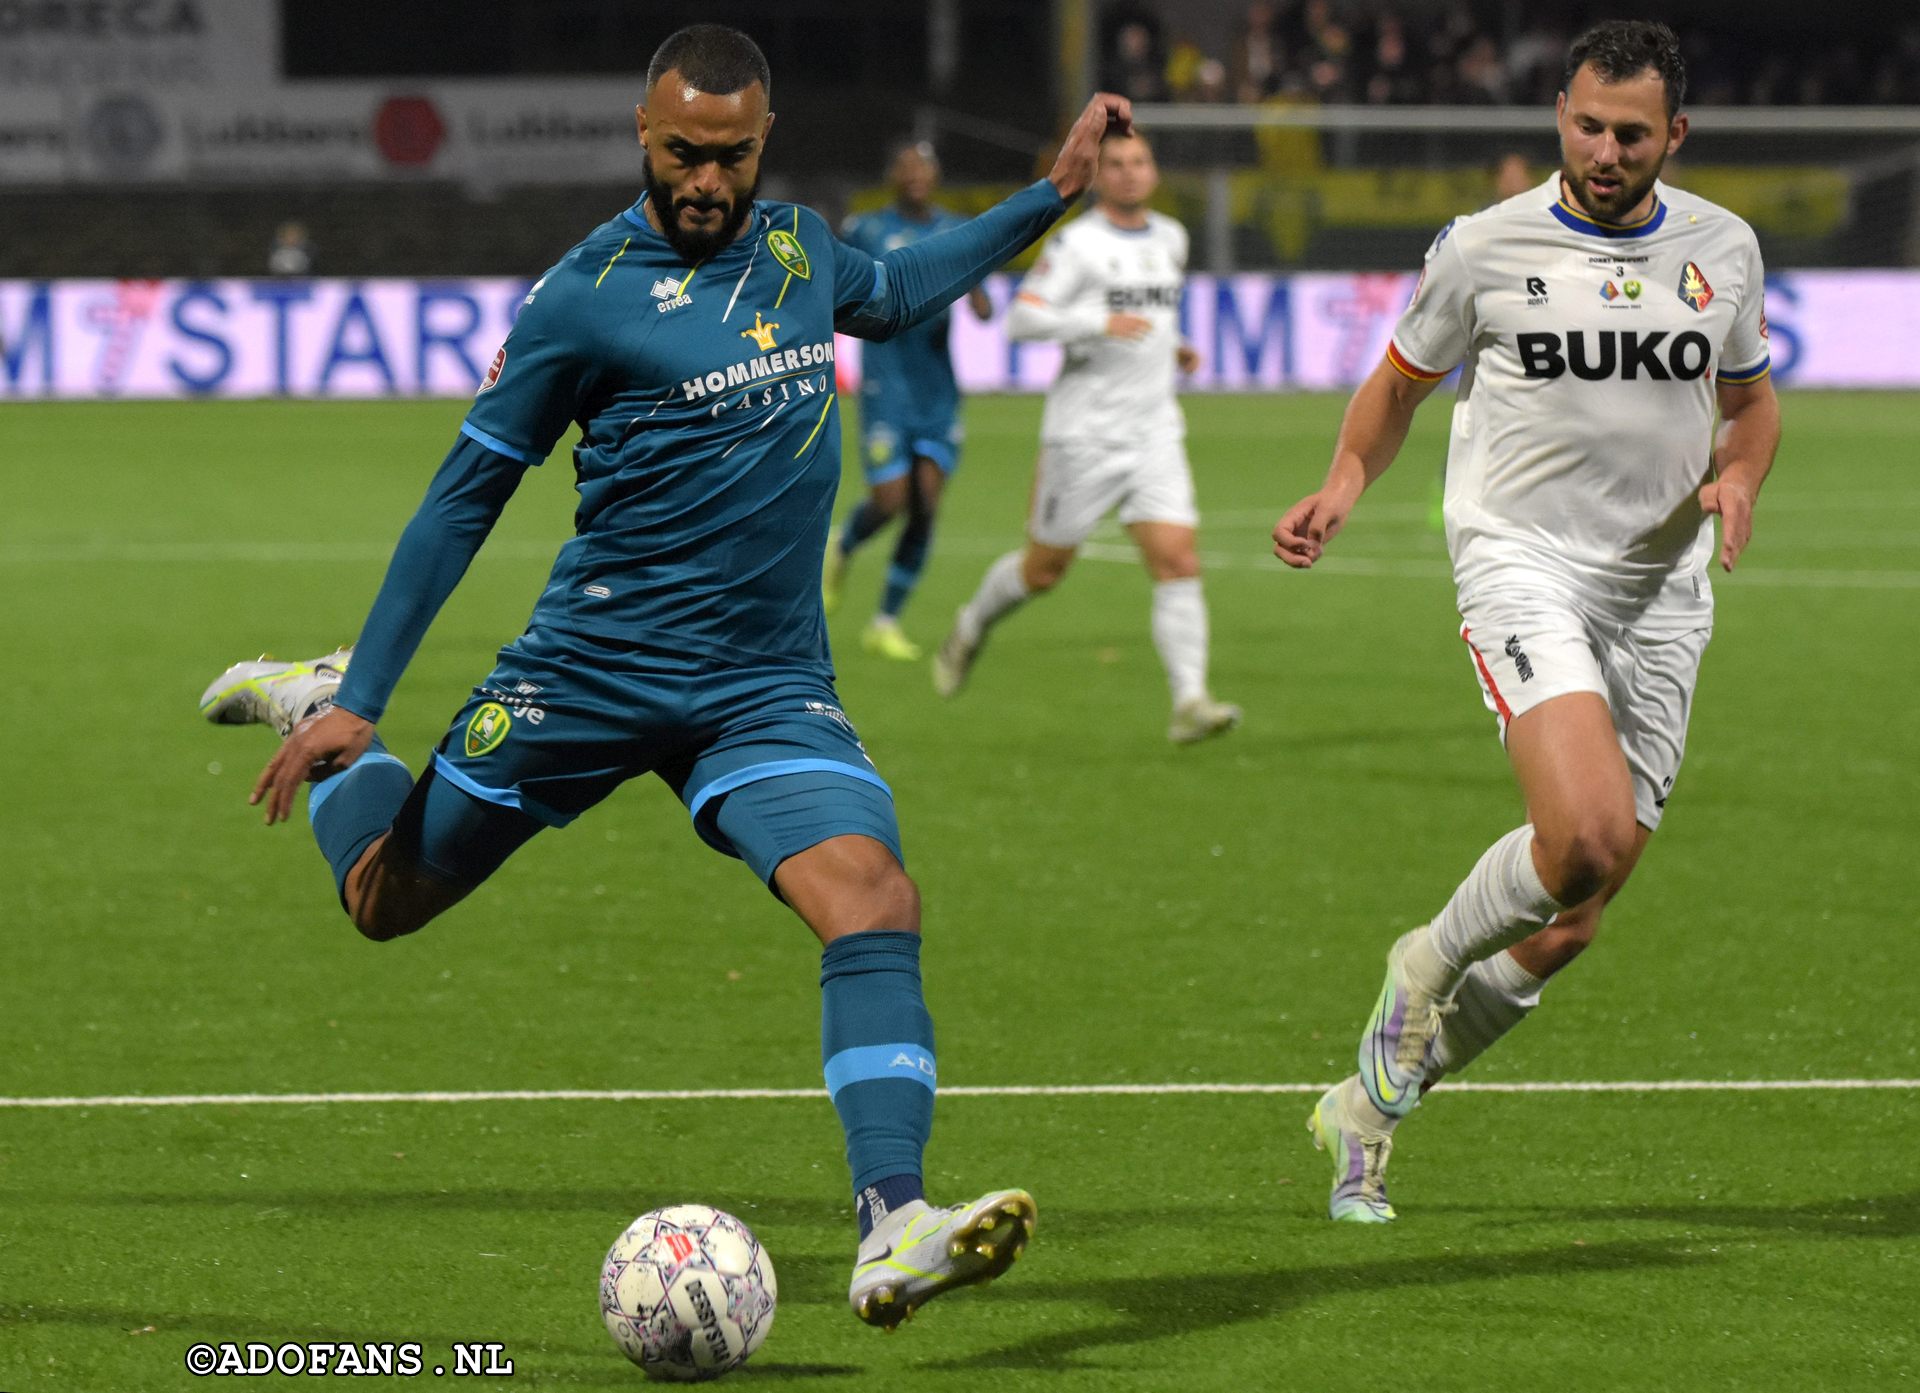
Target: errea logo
(669, 294)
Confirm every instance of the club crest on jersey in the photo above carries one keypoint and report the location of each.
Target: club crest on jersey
(761, 334)
(1694, 288)
(487, 729)
(493, 371)
(789, 253)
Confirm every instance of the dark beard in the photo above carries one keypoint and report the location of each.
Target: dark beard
(695, 246)
(1620, 204)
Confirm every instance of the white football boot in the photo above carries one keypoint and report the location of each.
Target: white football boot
(280, 695)
(1196, 718)
(916, 1252)
(953, 660)
(1360, 1153)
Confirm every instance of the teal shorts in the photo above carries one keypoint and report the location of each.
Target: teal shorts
(888, 447)
(764, 759)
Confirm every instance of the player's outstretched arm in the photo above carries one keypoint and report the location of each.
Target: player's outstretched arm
(1371, 434)
(460, 509)
(910, 285)
(1743, 455)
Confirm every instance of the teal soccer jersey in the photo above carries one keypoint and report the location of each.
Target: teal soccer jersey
(710, 441)
(681, 631)
(709, 451)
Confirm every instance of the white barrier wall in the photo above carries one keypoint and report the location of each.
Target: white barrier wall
(378, 338)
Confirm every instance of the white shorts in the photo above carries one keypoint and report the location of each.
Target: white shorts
(1080, 482)
(1530, 647)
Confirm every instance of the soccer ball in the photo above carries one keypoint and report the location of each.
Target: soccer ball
(687, 1292)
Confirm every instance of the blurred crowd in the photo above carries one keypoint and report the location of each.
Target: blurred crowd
(1371, 52)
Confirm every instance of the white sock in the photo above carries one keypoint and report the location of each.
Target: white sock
(1360, 1108)
(1002, 589)
(1180, 633)
(1495, 996)
(1499, 903)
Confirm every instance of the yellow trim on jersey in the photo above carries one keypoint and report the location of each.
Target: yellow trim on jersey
(789, 280)
(1406, 367)
(1746, 379)
(816, 425)
(610, 260)
(1588, 218)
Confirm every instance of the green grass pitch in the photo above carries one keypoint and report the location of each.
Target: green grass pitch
(1101, 908)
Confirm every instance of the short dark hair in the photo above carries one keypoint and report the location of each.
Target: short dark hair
(1623, 48)
(712, 58)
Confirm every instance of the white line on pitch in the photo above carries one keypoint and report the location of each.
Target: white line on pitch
(1066, 1090)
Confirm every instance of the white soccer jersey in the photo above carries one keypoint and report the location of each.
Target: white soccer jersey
(1108, 388)
(1583, 428)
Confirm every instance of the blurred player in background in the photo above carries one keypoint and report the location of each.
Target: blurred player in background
(1600, 319)
(909, 411)
(691, 338)
(1112, 436)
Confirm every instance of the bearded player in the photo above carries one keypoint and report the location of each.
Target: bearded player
(1598, 322)
(691, 339)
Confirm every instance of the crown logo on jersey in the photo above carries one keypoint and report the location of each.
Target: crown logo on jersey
(761, 334)
(1694, 288)
(789, 253)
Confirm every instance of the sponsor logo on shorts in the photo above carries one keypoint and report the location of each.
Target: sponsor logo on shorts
(1522, 664)
(487, 729)
(519, 703)
(839, 718)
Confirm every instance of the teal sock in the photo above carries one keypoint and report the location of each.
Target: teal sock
(351, 808)
(876, 1041)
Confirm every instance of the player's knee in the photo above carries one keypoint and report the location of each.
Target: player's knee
(1583, 858)
(1178, 565)
(383, 925)
(878, 894)
(891, 898)
(384, 902)
(1043, 571)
